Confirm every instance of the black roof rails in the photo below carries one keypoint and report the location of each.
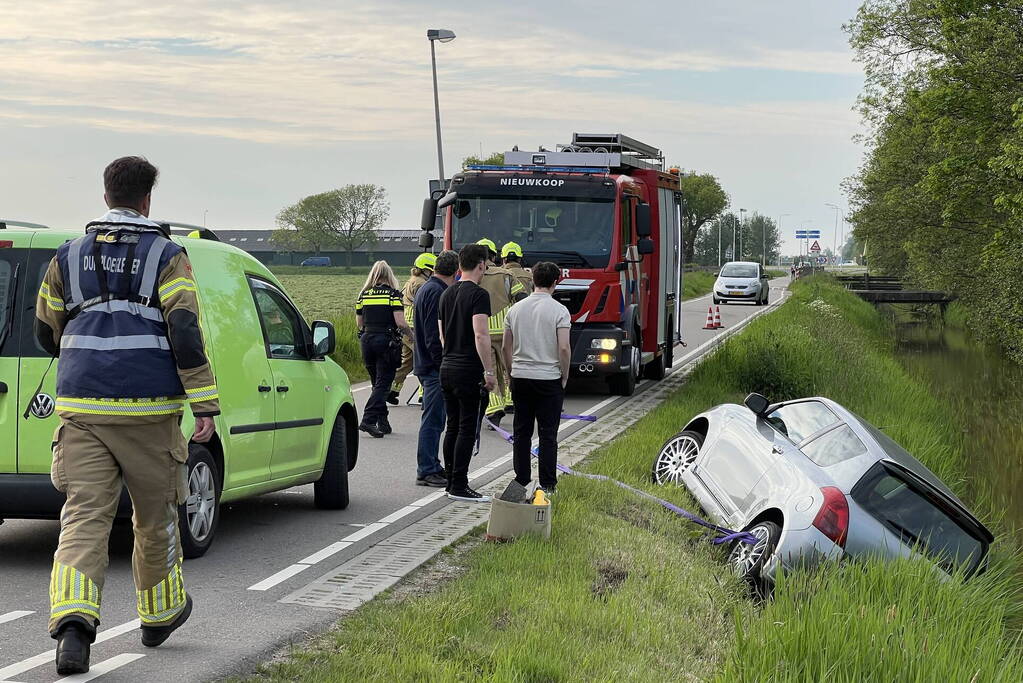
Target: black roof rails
(4, 222)
(204, 233)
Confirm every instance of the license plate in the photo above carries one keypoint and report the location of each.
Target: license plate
(737, 293)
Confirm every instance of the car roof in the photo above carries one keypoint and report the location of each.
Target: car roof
(740, 263)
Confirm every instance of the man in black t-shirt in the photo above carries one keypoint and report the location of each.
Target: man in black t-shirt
(466, 371)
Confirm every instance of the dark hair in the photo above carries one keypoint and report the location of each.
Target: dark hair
(545, 274)
(514, 258)
(128, 180)
(471, 256)
(447, 263)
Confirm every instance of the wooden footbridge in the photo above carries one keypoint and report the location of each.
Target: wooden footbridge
(884, 289)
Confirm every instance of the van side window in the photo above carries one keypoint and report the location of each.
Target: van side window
(284, 330)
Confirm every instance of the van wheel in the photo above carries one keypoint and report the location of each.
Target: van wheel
(330, 491)
(199, 515)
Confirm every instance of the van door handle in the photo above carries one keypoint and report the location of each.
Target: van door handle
(3, 387)
(263, 387)
(281, 389)
(776, 450)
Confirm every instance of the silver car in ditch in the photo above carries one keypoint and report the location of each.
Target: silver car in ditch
(813, 482)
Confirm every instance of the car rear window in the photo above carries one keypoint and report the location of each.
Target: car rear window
(833, 447)
(739, 270)
(801, 420)
(918, 518)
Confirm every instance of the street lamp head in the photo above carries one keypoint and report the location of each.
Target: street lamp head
(441, 34)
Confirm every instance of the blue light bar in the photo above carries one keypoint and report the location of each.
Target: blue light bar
(541, 169)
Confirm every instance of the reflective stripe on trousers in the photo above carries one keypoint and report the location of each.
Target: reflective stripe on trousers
(72, 592)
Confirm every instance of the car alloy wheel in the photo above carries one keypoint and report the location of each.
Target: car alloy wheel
(676, 457)
(201, 504)
(745, 558)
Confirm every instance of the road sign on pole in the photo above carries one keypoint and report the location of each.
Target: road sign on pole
(815, 247)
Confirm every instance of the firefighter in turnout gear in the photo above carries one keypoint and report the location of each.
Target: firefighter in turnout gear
(119, 307)
(511, 253)
(422, 270)
(504, 290)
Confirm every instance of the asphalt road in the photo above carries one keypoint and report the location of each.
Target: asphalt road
(266, 548)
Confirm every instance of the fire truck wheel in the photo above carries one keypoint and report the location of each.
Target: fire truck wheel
(624, 383)
(655, 369)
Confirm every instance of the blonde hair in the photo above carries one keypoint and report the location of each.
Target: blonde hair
(380, 274)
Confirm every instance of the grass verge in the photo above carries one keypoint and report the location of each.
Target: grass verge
(624, 591)
(697, 283)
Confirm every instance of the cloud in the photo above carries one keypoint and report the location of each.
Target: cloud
(321, 72)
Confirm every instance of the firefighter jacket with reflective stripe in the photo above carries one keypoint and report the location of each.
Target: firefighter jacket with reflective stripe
(119, 307)
(408, 296)
(522, 275)
(504, 290)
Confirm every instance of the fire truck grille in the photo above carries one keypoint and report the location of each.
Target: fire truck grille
(572, 299)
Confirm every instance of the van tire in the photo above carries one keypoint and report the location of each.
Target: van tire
(202, 474)
(330, 491)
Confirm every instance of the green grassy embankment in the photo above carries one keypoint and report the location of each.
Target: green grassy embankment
(625, 591)
(697, 283)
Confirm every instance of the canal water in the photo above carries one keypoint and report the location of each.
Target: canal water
(985, 391)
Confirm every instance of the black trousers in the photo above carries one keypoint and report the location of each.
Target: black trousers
(465, 401)
(539, 401)
(380, 354)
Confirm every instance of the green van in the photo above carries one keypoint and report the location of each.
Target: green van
(287, 413)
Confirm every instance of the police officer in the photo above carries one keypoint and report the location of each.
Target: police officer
(511, 253)
(504, 291)
(422, 269)
(380, 319)
(119, 307)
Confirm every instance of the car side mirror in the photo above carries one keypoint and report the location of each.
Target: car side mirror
(324, 339)
(645, 246)
(757, 403)
(429, 218)
(643, 225)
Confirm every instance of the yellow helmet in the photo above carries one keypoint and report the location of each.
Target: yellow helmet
(489, 244)
(511, 248)
(426, 261)
(552, 216)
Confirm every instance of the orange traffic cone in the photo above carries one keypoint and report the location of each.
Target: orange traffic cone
(717, 319)
(710, 319)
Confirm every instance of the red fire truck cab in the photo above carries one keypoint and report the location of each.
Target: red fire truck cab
(604, 209)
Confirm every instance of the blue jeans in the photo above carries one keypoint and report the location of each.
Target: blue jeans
(431, 425)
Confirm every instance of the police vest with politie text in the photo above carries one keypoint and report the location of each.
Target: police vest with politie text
(115, 351)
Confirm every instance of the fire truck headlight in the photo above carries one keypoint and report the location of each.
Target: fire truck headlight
(606, 344)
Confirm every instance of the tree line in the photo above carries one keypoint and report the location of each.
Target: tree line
(939, 199)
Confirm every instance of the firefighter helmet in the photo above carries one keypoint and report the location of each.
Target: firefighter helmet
(552, 216)
(511, 248)
(426, 261)
(489, 244)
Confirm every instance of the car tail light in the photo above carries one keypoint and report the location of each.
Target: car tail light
(832, 519)
(6, 244)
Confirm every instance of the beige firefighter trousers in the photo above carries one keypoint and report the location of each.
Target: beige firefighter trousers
(92, 457)
(405, 369)
(500, 397)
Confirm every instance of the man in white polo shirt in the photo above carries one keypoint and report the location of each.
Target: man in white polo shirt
(536, 348)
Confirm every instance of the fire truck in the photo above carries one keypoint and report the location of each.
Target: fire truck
(604, 209)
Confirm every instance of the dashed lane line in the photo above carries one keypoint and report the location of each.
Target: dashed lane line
(24, 665)
(16, 614)
(104, 667)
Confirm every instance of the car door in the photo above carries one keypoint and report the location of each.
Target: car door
(299, 385)
(764, 284)
(746, 448)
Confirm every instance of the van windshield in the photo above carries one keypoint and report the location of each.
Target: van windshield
(914, 514)
(569, 231)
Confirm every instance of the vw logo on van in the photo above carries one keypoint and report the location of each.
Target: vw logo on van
(42, 406)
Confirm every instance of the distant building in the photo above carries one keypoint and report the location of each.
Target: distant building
(397, 247)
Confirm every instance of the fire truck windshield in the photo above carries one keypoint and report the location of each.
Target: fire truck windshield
(572, 232)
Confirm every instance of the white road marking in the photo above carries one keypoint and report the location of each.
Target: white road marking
(47, 657)
(368, 530)
(282, 575)
(321, 555)
(16, 614)
(106, 666)
(399, 513)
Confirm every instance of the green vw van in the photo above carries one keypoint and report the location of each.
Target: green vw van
(287, 413)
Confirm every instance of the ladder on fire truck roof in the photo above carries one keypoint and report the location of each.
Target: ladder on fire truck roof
(594, 150)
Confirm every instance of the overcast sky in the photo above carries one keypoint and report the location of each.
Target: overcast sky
(248, 106)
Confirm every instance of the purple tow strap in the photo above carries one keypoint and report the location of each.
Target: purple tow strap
(584, 418)
(726, 535)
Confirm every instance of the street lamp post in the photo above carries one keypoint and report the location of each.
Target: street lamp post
(837, 212)
(742, 224)
(780, 216)
(719, 242)
(445, 36)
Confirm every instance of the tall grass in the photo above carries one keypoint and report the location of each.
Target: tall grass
(625, 591)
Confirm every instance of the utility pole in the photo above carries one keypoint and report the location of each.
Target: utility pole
(780, 216)
(719, 242)
(742, 225)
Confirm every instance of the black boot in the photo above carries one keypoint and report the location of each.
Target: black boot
(383, 425)
(392, 398)
(371, 429)
(73, 641)
(153, 636)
